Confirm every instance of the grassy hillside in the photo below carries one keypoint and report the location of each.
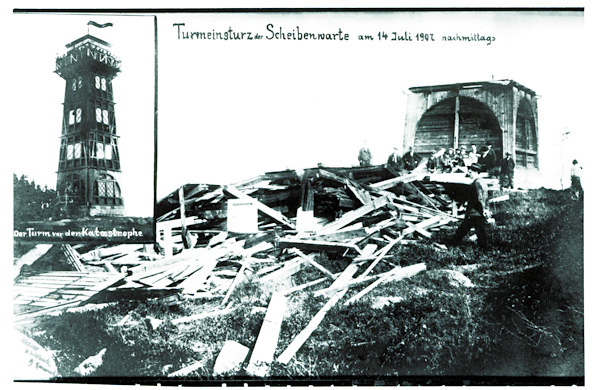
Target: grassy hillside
(507, 314)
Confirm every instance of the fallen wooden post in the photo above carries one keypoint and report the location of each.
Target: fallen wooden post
(396, 273)
(314, 263)
(237, 280)
(266, 342)
(73, 257)
(353, 215)
(301, 338)
(230, 359)
(321, 246)
(380, 256)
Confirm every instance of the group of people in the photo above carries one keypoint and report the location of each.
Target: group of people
(445, 160)
(395, 162)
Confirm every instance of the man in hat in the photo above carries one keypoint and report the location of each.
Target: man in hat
(394, 162)
(488, 159)
(364, 155)
(507, 171)
(477, 213)
(411, 159)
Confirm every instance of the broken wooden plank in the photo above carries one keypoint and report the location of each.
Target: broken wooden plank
(387, 184)
(380, 256)
(290, 268)
(423, 197)
(73, 257)
(421, 226)
(501, 198)
(396, 274)
(230, 359)
(320, 246)
(304, 286)
(301, 338)
(341, 235)
(353, 215)
(346, 275)
(238, 278)
(313, 262)
(277, 216)
(412, 227)
(266, 342)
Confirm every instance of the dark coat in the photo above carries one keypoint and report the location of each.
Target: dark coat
(478, 198)
(507, 166)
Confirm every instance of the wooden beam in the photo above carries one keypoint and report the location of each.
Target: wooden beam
(396, 273)
(266, 342)
(276, 215)
(301, 338)
(73, 257)
(393, 182)
(314, 263)
(322, 246)
(353, 215)
(380, 256)
(230, 359)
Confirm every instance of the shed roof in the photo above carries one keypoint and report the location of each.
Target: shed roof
(473, 84)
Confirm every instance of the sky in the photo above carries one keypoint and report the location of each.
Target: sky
(231, 110)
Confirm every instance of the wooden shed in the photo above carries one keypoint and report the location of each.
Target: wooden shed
(502, 112)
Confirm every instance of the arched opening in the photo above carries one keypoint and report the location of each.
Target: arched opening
(106, 191)
(526, 141)
(477, 125)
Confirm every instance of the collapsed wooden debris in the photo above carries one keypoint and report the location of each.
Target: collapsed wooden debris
(354, 215)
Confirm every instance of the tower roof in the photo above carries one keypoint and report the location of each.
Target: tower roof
(88, 39)
(473, 84)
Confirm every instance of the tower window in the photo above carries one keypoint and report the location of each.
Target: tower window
(108, 152)
(100, 150)
(71, 117)
(105, 117)
(97, 82)
(69, 152)
(103, 84)
(107, 191)
(98, 115)
(79, 82)
(74, 85)
(78, 115)
(77, 150)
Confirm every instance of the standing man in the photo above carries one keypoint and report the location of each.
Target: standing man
(490, 159)
(477, 213)
(576, 171)
(411, 159)
(394, 161)
(507, 171)
(364, 155)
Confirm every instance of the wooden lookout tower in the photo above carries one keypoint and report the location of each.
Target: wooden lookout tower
(89, 166)
(502, 112)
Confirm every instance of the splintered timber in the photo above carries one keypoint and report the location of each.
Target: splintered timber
(271, 33)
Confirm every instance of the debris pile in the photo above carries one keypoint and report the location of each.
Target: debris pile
(210, 239)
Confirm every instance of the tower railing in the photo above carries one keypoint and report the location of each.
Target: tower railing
(87, 50)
